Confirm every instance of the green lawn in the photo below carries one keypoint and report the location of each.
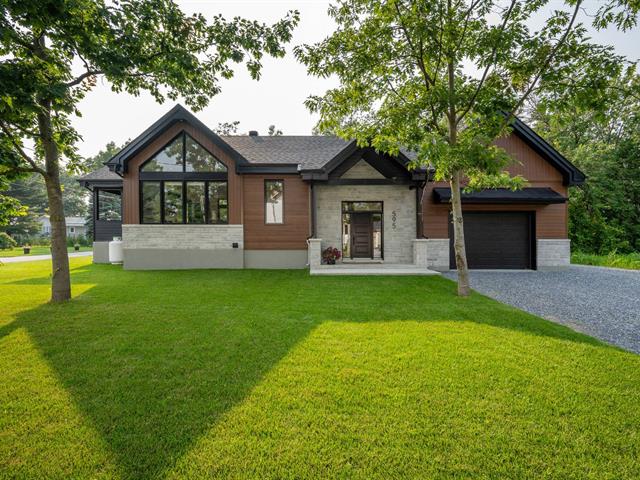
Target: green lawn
(629, 261)
(276, 374)
(40, 250)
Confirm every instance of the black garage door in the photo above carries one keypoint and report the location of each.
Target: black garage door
(497, 240)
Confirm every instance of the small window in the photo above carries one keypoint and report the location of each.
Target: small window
(151, 202)
(173, 202)
(218, 205)
(197, 159)
(196, 200)
(169, 159)
(72, 230)
(109, 205)
(274, 201)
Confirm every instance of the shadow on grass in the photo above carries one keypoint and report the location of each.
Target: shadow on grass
(153, 359)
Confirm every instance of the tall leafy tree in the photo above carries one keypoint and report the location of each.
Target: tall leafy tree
(445, 77)
(602, 137)
(52, 52)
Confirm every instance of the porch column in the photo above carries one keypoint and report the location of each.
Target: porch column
(420, 252)
(315, 251)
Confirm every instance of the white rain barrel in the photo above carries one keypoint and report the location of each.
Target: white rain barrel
(115, 250)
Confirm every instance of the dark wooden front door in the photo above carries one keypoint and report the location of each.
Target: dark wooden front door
(361, 235)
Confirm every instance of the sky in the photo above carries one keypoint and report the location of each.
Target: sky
(276, 99)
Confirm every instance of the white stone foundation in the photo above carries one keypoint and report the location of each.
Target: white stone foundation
(553, 253)
(438, 254)
(315, 251)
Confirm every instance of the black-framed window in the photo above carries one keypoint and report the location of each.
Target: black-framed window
(184, 202)
(184, 184)
(109, 206)
(183, 155)
(274, 202)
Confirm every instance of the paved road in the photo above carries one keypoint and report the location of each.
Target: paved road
(33, 258)
(601, 302)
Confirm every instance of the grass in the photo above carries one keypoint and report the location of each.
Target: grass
(276, 374)
(37, 250)
(629, 261)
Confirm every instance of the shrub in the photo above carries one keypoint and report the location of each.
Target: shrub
(6, 242)
(330, 255)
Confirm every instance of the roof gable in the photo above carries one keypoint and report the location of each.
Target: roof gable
(118, 163)
(570, 173)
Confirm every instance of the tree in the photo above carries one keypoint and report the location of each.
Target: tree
(407, 72)
(53, 52)
(602, 137)
(274, 132)
(227, 128)
(10, 207)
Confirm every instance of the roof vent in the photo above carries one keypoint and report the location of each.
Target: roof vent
(253, 133)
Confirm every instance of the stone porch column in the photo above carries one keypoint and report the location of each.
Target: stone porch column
(315, 251)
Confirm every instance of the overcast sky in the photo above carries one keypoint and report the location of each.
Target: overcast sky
(276, 99)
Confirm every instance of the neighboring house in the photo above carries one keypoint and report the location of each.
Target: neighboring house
(193, 199)
(76, 226)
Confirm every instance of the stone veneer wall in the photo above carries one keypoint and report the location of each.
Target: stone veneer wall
(399, 216)
(553, 253)
(182, 246)
(198, 237)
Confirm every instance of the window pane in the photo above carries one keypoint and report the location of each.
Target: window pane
(168, 160)
(109, 205)
(273, 201)
(195, 202)
(361, 206)
(172, 202)
(218, 204)
(150, 202)
(200, 160)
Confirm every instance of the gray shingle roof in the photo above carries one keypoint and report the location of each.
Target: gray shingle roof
(101, 174)
(309, 152)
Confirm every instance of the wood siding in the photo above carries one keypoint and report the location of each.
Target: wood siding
(131, 185)
(293, 233)
(551, 220)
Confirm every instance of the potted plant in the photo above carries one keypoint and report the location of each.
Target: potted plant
(330, 255)
(76, 247)
(26, 249)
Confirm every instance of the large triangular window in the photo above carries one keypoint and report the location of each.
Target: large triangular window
(184, 154)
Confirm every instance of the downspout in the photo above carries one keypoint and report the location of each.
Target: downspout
(313, 211)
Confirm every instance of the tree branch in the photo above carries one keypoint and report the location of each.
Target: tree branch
(81, 78)
(489, 65)
(34, 166)
(545, 64)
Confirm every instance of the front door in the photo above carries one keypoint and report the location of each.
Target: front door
(361, 235)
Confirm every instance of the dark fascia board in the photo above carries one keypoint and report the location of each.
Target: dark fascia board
(285, 168)
(118, 163)
(322, 174)
(368, 181)
(91, 184)
(504, 197)
(570, 173)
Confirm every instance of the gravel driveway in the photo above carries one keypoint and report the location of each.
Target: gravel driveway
(601, 302)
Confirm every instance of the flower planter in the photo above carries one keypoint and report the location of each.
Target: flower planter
(76, 248)
(26, 250)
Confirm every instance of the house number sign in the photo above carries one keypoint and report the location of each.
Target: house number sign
(393, 219)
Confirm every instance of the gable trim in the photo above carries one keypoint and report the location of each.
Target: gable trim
(119, 162)
(570, 173)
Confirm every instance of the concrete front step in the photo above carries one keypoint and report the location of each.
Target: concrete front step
(371, 269)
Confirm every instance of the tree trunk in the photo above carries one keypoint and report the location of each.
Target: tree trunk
(458, 236)
(60, 278)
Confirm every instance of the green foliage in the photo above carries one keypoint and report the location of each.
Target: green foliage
(402, 70)
(238, 374)
(6, 242)
(603, 141)
(630, 261)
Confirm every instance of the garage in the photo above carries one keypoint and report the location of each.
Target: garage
(497, 240)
